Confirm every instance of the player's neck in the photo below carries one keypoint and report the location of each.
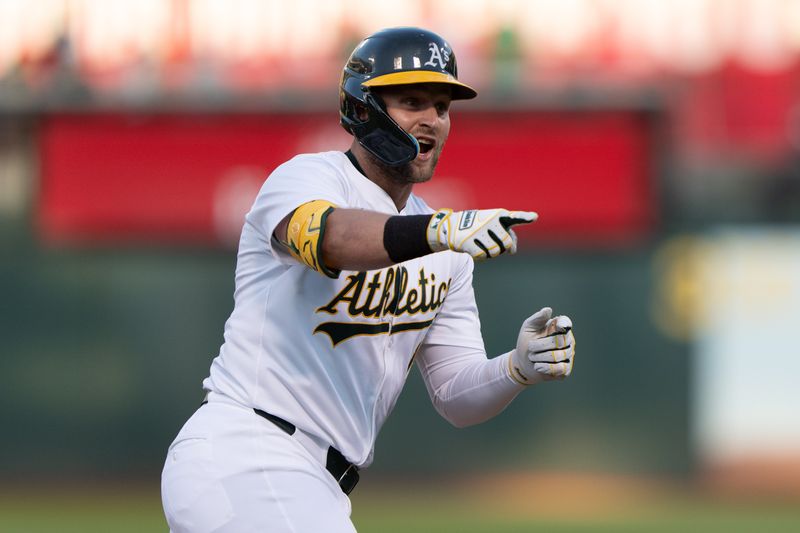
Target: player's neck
(398, 192)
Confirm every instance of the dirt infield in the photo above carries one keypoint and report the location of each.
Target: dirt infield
(776, 477)
(487, 503)
(586, 496)
(601, 496)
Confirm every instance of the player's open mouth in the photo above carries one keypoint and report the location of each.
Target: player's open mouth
(426, 146)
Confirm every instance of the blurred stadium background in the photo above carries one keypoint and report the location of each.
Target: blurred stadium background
(659, 141)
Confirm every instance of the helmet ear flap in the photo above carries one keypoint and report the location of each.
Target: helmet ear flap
(383, 137)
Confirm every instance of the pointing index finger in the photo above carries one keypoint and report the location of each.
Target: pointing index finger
(518, 217)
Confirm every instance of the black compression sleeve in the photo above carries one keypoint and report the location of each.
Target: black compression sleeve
(405, 237)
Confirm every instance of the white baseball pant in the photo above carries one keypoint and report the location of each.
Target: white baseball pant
(230, 470)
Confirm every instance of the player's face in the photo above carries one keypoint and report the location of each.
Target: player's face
(423, 110)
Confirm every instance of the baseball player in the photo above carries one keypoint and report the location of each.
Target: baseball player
(345, 279)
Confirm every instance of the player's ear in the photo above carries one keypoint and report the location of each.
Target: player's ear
(361, 112)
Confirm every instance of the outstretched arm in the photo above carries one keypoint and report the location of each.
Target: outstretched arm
(354, 239)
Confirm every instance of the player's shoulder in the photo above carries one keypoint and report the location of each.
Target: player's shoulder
(330, 161)
(309, 171)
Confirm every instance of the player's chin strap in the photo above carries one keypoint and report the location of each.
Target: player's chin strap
(383, 137)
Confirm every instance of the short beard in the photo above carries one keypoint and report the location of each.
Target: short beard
(402, 174)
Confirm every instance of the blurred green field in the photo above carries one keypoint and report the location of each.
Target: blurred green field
(427, 508)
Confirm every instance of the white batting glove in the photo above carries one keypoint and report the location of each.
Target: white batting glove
(482, 233)
(545, 349)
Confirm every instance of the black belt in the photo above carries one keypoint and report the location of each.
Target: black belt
(342, 470)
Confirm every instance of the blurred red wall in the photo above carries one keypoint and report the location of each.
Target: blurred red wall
(190, 178)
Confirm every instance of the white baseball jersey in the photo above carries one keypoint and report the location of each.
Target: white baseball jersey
(332, 355)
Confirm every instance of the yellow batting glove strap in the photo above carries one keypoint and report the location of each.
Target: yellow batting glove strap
(305, 233)
(439, 233)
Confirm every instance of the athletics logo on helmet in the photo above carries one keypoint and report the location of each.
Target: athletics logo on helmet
(395, 56)
(440, 55)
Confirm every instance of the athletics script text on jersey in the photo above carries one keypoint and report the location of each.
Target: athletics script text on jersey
(381, 293)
